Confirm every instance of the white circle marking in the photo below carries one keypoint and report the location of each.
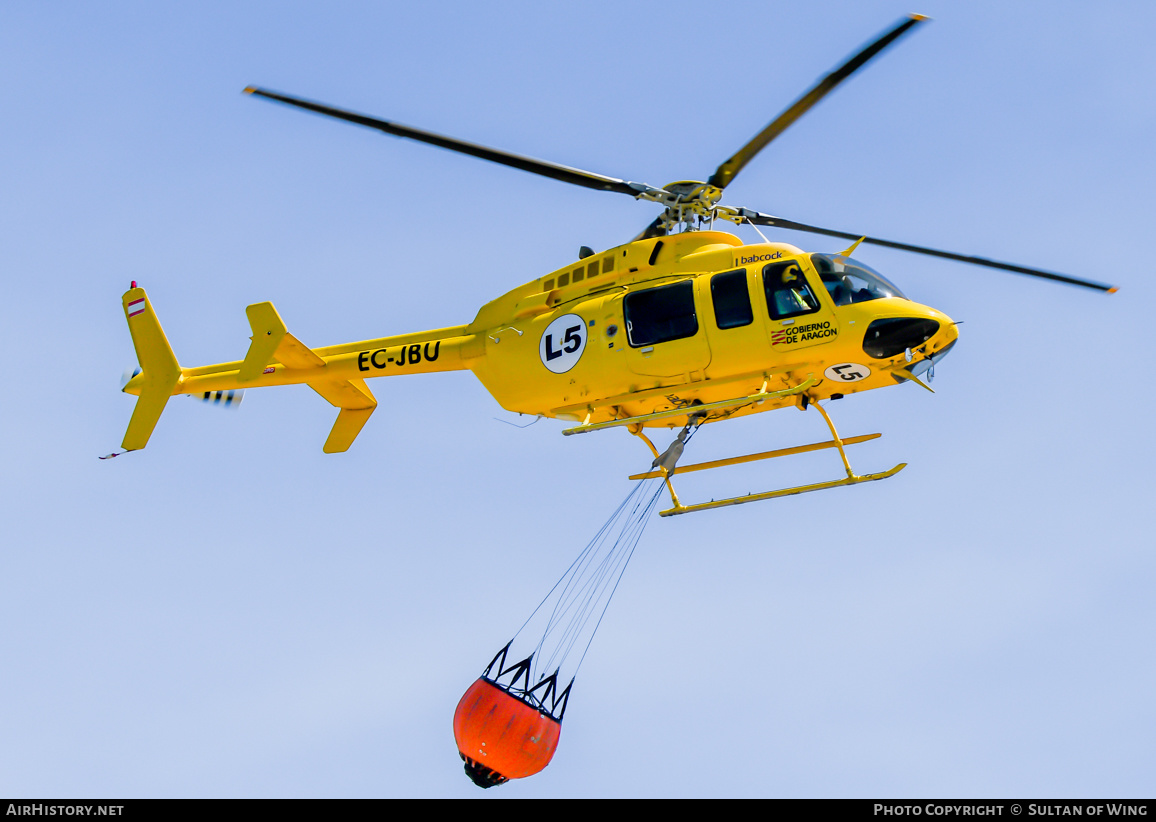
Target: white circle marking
(847, 372)
(562, 343)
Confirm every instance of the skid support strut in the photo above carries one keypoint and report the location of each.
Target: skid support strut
(666, 461)
(662, 472)
(665, 465)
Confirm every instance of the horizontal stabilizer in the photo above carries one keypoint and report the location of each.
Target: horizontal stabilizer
(345, 393)
(272, 342)
(349, 424)
(296, 354)
(268, 330)
(356, 402)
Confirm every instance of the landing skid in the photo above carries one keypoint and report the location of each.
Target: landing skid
(835, 442)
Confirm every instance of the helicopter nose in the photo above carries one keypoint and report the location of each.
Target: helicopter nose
(923, 340)
(890, 337)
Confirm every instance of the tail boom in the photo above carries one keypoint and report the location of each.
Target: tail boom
(428, 352)
(276, 357)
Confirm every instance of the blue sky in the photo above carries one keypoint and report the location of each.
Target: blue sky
(233, 613)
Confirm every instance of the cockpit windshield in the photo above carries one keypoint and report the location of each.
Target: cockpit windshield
(848, 281)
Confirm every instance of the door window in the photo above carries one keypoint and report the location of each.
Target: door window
(660, 314)
(732, 301)
(787, 292)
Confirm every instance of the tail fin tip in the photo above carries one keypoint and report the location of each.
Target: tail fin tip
(161, 371)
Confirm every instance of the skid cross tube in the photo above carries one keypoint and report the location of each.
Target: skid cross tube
(835, 442)
(762, 455)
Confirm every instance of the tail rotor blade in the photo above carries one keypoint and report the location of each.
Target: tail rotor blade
(221, 399)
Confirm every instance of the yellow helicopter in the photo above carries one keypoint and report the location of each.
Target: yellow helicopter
(683, 325)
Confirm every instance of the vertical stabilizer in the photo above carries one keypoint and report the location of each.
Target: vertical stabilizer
(160, 371)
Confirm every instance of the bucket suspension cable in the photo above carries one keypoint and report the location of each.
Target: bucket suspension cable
(508, 723)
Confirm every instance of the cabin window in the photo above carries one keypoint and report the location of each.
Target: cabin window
(848, 281)
(732, 301)
(660, 314)
(787, 292)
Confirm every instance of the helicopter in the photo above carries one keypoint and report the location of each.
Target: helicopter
(681, 326)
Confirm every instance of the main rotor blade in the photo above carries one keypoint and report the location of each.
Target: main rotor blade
(727, 171)
(778, 222)
(655, 229)
(566, 174)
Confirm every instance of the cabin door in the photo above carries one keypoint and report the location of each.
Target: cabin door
(664, 335)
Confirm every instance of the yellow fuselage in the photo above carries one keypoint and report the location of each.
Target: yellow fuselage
(562, 345)
(614, 378)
